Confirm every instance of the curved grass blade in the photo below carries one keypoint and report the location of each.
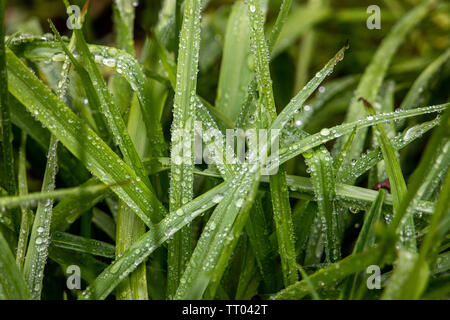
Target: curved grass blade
(72, 171)
(332, 89)
(278, 188)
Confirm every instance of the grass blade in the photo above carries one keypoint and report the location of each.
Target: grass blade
(27, 215)
(397, 182)
(182, 177)
(37, 252)
(278, 188)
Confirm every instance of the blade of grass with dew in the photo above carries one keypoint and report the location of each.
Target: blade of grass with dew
(350, 196)
(96, 156)
(37, 252)
(373, 76)
(397, 182)
(92, 96)
(155, 237)
(278, 188)
(12, 283)
(81, 244)
(221, 255)
(384, 104)
(27, 215)
(436, 175)
(182, 177)
(297, 102)
(220, 236)
(129, 228)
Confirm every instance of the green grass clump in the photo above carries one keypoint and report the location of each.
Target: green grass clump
(91, 136)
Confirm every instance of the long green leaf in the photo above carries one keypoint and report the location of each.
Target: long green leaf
(182, 153)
